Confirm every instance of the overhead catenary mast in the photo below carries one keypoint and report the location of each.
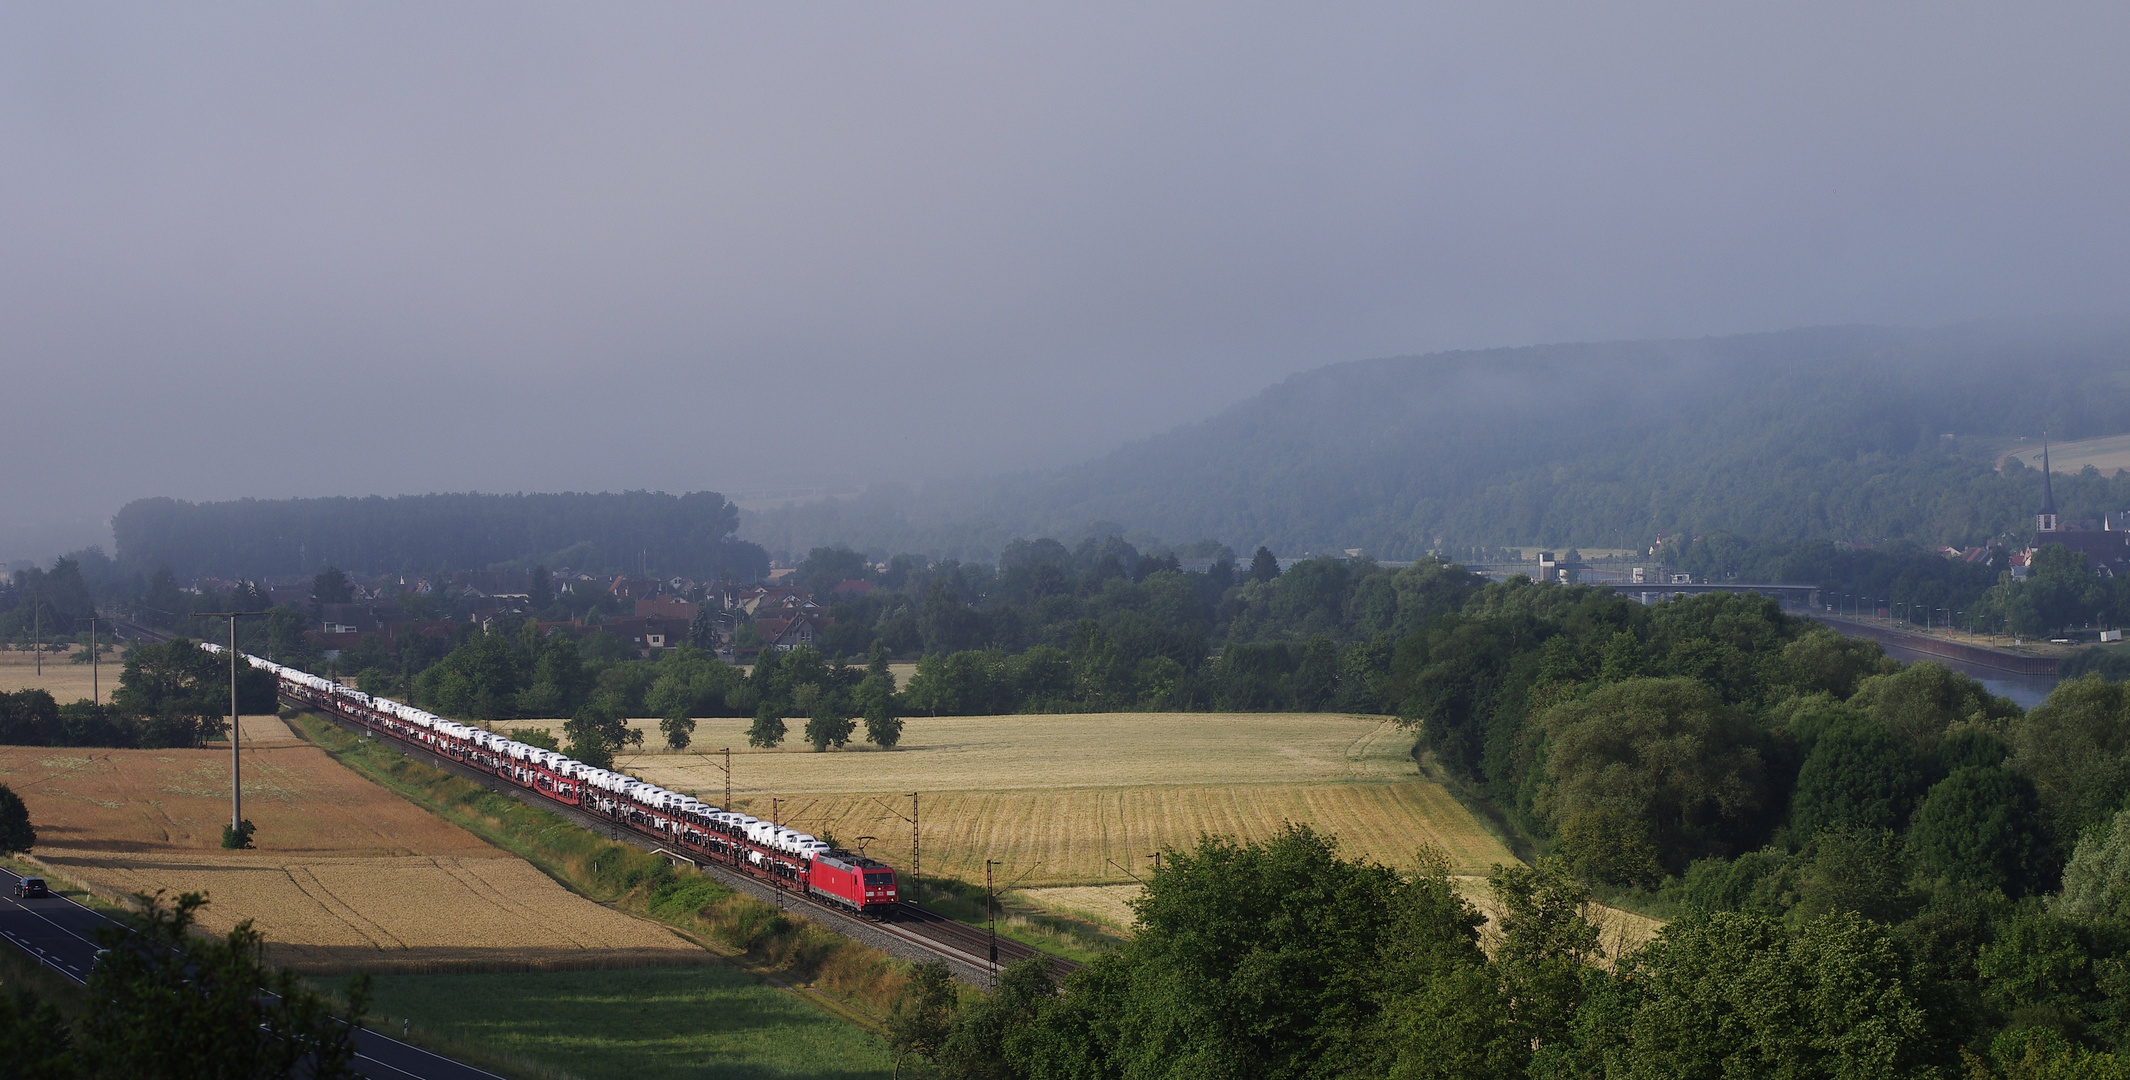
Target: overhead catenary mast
(236, 783)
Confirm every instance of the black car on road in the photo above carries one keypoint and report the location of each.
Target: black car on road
(28, 887)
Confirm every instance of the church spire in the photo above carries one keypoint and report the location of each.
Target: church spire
(2046, 520)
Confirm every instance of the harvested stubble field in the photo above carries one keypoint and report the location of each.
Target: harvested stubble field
(1063, 800)
(346, 874)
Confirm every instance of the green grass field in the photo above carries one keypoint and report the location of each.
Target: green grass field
(640, 1024)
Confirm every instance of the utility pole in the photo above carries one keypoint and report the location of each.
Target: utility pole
(95, 688)
(236, 782)
(728, 777)
(37, 632)
(991, 917)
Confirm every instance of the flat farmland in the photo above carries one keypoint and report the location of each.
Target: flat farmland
(1082, 836)
(346, 875)
(1038, 751)
(62, 678)
(1068, 801)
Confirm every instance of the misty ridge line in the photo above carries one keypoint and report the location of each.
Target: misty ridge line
(949, 245)
(1866, 434)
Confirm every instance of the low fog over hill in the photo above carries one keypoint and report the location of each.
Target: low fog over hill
(1858, 433)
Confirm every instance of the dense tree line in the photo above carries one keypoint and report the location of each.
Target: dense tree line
(55, 605)
(1640, 742)
(687, 534)
(1282, 960)
(1107, 627)
(1103, 628)
(515, 669)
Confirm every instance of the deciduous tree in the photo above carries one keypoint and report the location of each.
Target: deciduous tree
(1857, 776)
(1982, 825)
(923, 1015)
(876, 701)
(768, 729)
(1664, 758)
(16, 832)
(177, 690)
(828, 722)
(598, 732)
(165, 1003)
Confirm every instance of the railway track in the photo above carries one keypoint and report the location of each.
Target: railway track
(976, 941)
(127, 629)
(966, 948)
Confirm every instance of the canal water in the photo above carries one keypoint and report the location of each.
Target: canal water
(2027, 690)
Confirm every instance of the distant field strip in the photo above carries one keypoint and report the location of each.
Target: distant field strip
(1003, 752)
(2108, 453)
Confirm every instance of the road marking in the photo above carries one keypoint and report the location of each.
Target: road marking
(359, 1056)
(411, 1048)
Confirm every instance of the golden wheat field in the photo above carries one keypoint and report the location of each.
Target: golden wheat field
(1039, 751)
(411, 912)
(1071, 807)
(346, 875)
(1083, 800)
(65, 680)
(1083, 836)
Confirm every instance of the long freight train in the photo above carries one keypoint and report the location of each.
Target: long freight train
(782, 856)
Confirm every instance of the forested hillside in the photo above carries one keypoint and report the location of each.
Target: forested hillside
(674, 534)
(1828, 433)
(1872, 871)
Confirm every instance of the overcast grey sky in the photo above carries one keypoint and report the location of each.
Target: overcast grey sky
(385, 248)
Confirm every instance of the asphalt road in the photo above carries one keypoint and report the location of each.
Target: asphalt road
(62, 933)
